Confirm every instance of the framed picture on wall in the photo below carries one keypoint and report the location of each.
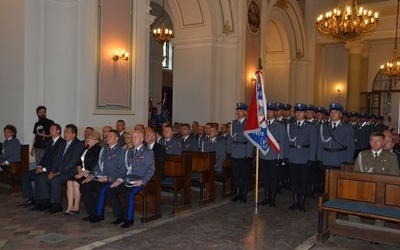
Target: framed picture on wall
(253, 17)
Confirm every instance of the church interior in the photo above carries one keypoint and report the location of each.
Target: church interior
(93, 62)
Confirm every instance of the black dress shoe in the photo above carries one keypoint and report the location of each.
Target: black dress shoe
(117, 221)
(27, 203)
(127, 224)
(54, 210)
(44, 207)
(96, 219)
(88, 218)
(74, 212)
(35, 208)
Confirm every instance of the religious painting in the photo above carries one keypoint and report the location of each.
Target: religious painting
(253, 18)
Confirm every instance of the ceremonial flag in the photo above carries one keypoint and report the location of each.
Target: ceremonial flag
(256, 129)
(164, 110)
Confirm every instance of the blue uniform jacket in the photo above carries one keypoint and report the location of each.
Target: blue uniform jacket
(336, 146)
(111, 163)
(238, 145)
(302, 142)
(140, 165)
(11, 151)
(278, 130)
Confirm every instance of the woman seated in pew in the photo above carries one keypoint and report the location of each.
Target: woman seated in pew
(86, 164)
(11, 151)
(128, 141)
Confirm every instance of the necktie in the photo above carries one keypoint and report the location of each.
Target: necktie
(211, 141)
(66, 148)
(298, 124)
(134, 153)
(269, 123)
(334, 125)
(239, 122)
(376, 155)
(52, 144)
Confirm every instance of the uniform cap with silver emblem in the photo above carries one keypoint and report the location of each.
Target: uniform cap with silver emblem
(242, 106)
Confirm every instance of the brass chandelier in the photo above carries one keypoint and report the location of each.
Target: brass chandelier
(347, 22)
(162, 34)
(392, 68)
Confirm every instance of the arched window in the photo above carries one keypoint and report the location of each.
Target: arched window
(167, 56)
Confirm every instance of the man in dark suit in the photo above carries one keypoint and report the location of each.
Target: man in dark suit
(52, 157)
(110, 169)
(158, 149)
(50, 185)
(11, 151)
(120, 127)
(140, 169)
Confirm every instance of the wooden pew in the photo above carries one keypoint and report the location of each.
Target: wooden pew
(226, 178)
(203, 174)
(373, 196)
(177, 169)
(148, 200)
(12, 178)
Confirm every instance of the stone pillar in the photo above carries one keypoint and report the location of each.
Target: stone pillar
(354, 75)
(366, 49)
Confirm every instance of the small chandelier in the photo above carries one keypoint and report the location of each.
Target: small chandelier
(348, 22)
(392, 68)
(162, 34)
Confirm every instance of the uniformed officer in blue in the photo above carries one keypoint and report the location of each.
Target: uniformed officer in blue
(214, 144)
(241, 151)
(336, 140)
(302, 154)
(188, 143)
(169, 141)
(271, 162)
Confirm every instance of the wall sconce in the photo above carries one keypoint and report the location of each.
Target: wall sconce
(124, 56)
(253, 78)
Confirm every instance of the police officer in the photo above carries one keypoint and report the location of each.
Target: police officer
(302, 137)
(271, 162)
(310, 114)
(241, 151)
(172, 145)
(336, 140)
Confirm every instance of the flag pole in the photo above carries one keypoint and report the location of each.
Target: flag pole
(259, 68)
(257, 167)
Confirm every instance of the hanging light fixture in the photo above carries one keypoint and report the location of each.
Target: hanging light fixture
(392, 68)
(347, 22)
(162, 34)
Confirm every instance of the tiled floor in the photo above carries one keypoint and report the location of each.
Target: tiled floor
(222, 225)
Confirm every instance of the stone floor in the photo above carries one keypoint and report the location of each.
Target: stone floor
(222, 225)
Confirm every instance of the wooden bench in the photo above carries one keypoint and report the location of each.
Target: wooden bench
(373, 196)
(203, 174)
(226, 178)
(12, 178)
(177, 169)
(148, 200)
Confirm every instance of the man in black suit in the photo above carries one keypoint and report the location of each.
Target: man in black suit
(158, 149)
(50, 185)
(120, 127)
(51, 157)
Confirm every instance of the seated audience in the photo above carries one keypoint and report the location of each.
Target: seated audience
(140, 169)
(87, 162)
(109, 169)
(50, 160)
(11, 151)
(50, 185)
